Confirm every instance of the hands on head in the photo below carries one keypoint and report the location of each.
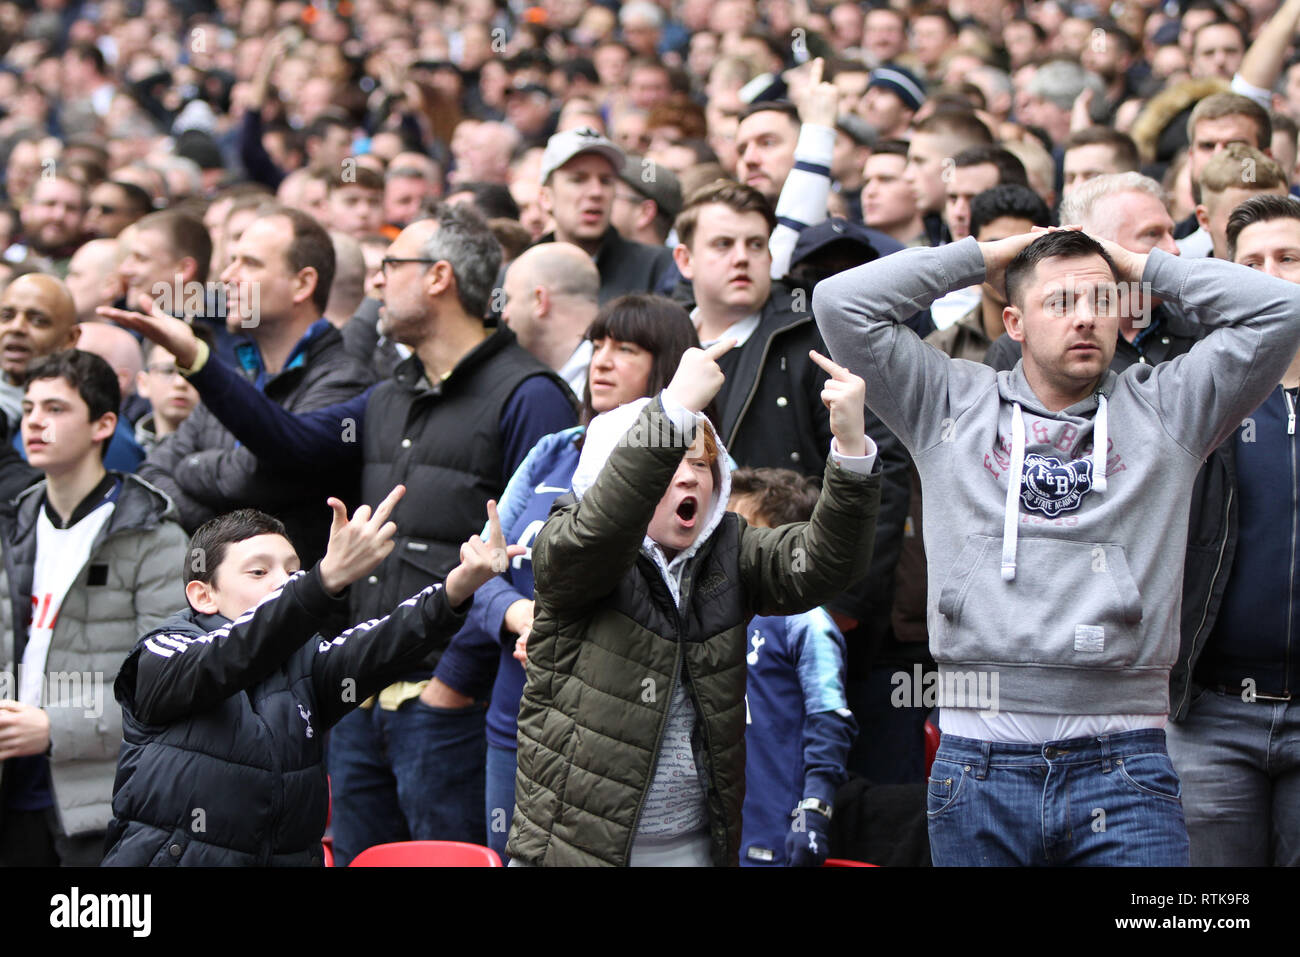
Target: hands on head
(845, 395)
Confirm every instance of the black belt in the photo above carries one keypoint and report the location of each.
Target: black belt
(1239, 692)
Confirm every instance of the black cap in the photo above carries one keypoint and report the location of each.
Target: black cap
(200, 147)
(872, 243)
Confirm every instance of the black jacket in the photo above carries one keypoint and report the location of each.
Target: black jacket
(206, 472)
(624, 265)
(1211, 544)
(224, 725)
(444, 443)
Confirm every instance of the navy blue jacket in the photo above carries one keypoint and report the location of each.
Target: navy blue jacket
(224, 723)
(1254, 634)
(798, 729)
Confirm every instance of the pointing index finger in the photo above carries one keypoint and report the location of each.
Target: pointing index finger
(818, 68)
(720, 348)
(831, 369)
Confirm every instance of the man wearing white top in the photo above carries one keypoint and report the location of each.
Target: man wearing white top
(97, 558)
(552, 295)
(785, 152)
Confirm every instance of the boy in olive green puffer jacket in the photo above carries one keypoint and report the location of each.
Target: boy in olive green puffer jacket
(631, 727)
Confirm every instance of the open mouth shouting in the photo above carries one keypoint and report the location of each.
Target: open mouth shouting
(687, 511)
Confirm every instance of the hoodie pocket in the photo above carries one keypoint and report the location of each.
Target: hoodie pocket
(1072, 604)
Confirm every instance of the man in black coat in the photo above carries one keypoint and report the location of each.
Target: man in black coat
(580, 172)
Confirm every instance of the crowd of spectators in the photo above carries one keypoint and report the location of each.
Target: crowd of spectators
(329, 248)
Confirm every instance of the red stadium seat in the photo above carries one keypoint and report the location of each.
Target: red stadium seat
(931, 746)
(845, 862)
(427, 854)
(328, 850)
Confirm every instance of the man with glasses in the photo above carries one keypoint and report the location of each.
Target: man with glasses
(647, 199)
(171, 397)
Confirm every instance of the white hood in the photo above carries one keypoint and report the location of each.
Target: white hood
(603, 436)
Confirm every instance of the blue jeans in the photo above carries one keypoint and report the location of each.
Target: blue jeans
(500, 797)
(1103, 801)
(1240, 765)
(414, 774)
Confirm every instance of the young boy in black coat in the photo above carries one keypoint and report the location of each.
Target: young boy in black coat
(225, 707)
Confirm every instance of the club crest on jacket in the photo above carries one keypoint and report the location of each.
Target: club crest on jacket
(1051, 486)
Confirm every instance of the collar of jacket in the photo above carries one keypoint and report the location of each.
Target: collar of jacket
(139, 506)
(778, 316)
(611, 243)
(108, 490)
(254, 367)
(410, 372)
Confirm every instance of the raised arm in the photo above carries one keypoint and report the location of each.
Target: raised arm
(371, 655)
(167, 676)
(802, 202)
(1262, 64)
(325, 438)
(796, 567)
(912, 387)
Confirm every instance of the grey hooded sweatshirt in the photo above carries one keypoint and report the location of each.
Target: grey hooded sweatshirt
(1055, 540)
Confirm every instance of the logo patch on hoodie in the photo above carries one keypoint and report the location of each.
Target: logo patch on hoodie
(1051, 486)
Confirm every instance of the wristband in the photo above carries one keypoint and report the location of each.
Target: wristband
(200, 360)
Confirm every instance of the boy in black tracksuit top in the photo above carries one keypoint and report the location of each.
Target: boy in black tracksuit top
(224, 720)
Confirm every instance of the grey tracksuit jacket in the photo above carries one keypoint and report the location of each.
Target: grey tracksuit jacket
(1056, 539)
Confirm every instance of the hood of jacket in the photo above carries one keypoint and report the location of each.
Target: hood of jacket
(604, 433)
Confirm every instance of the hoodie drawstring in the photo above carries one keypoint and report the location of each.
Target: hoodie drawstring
(1012, 517)
(1099, 443)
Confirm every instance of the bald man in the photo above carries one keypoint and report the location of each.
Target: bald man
(349, 285)
(93, 278)
(121, 350)
(37, 316)
(552, 295)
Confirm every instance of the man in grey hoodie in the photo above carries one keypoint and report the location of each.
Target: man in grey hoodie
(1055, 524)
